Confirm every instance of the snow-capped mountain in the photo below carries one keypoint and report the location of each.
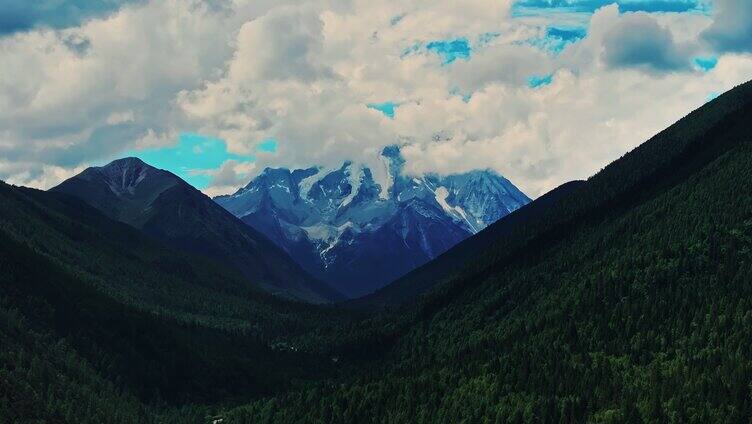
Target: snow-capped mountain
(360, 228)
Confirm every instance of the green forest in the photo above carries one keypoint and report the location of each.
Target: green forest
(627, 299)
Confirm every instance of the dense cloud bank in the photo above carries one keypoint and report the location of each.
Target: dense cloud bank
(87, 85)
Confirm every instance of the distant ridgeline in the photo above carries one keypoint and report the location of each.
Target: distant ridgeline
(359, 228)
(626, 298)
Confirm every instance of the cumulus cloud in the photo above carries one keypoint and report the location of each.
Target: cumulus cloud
(636, 40)
(731, 30)
(286, 43)
(568, 129)
(228, 177)
(625, 5)
(465, 114)
(304, 73)
(64, 94)
(649, 42)
(344, 61)
(504, 63)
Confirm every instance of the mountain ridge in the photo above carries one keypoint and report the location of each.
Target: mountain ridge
(447, 265)
(166, 207)
(339, 222)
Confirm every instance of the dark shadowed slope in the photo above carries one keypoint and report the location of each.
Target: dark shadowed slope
(93, 312)
(166, 207)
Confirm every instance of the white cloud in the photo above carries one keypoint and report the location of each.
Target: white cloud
(732, 28)
(284, 44)
(43, 177)
(302, 72)
(569, 129)
(65, 106)
(228, 177)
(636, 40)
(120, 117)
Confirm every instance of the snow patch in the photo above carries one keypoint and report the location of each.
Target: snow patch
(306, 183)
(327, 235)
(126, 184)
(283, 187)
(321, 232)
(354, 178)
(441, 195)
(383, 177)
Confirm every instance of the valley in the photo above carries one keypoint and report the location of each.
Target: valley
(127, 296)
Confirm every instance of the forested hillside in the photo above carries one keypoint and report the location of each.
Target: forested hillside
(626, 299)
(629, 301)
(102, 324)
(447, 265)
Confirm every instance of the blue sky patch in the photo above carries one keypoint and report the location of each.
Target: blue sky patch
(24, 15)
(653, 6)
(579, 11)
(387, 108)
(269, 146)
(450, 50)
(536, 81)
(706, 63)
(192, 154)
(528, 7)
(557, 39)
(566, 34)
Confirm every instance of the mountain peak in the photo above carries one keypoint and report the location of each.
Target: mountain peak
(128, 160)
(171, 210)
(339, 221)
(122, 176)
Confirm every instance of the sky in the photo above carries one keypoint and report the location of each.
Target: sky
(542, 91)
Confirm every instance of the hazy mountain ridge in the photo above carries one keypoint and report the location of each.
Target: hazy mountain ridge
(338, 223)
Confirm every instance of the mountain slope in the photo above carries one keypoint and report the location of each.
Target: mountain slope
(100, 321)
(359, 228)
(629, 300)
(446, 266)
(165, 207)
